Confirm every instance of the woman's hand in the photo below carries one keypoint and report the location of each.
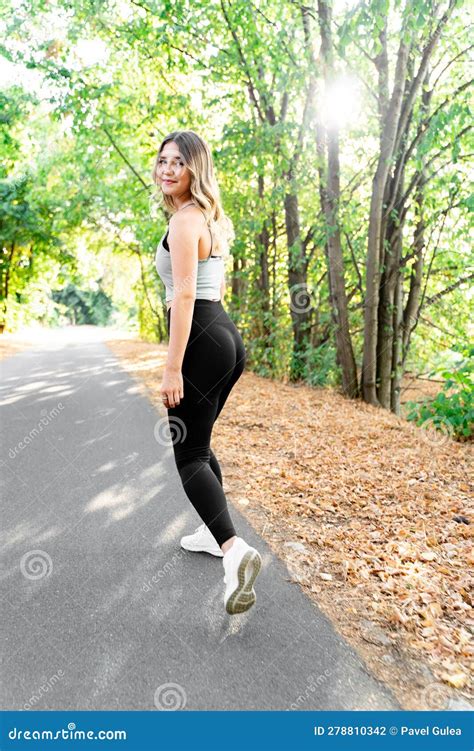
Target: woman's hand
(171, 389)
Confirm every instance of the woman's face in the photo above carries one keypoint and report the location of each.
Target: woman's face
(173, 176)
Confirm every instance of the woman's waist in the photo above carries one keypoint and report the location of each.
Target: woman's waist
(206, 311)
(200, 302)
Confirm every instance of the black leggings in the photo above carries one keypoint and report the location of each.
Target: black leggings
(213, 361)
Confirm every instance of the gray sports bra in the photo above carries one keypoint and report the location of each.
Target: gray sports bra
(210, 272)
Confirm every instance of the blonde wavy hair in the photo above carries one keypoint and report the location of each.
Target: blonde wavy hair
(205, 192)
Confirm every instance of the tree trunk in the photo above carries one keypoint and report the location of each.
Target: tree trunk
(263, 242)
(6, 268)
(300, 307)
(387, 310)
(397, 364)
(395, 119)
(376, 250)
(330, 196)
(412, 308)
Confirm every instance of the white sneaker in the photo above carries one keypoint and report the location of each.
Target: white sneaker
(241, 565)
(202, 541)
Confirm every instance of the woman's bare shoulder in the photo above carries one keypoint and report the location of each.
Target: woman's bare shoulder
(189, 216)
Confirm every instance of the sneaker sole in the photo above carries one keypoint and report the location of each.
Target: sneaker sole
(219, 554)
(245, 596)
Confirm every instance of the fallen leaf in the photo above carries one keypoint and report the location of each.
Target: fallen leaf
(457, 680)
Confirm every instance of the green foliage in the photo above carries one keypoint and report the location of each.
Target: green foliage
(267, 354)
(84, 306)
(452, 408)
(320, 368)
(14, 106)
(75, 190)
(147, 323)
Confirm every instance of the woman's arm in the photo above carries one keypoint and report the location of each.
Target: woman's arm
(183, 239)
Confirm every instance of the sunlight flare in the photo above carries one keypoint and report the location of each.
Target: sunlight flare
(341, 102)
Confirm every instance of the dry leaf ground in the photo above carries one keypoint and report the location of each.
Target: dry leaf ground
(361, 506)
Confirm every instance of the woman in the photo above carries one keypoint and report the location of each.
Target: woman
(206, 354)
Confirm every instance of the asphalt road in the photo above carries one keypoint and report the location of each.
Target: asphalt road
(100, 607)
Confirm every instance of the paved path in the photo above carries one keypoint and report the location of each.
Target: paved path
(100, 607)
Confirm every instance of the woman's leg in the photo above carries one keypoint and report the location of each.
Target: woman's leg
(210, 368)
(215, 466)
(237, 372)
(192, 455)
(240, 365)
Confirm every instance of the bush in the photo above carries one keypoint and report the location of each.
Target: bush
(454, 409)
